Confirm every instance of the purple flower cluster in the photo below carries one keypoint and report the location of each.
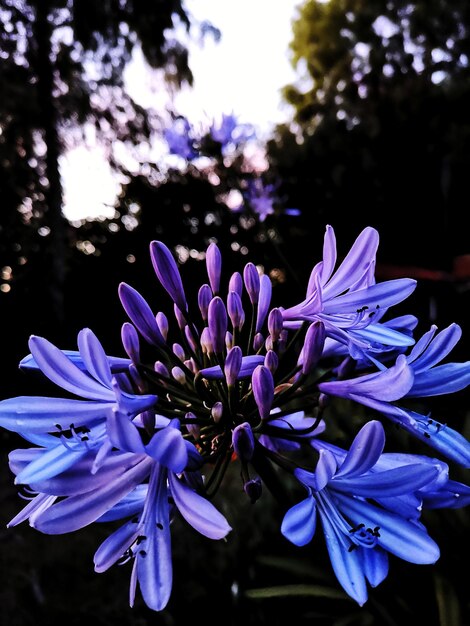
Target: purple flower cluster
(233, 379)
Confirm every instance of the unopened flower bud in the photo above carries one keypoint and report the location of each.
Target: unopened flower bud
(253, 489)
(188, 333)
(214, 266)
(162, 322)
(265, 293)
(217, 411)
(168, 274)
(252, 282)
(206, 341)
(271, 361)
(178, 375)
(228, 340)
(275, 323)
(178, 351)
(235, 310)
(243, 441)
(217, 320)
(203, 298)
(179, 317)
(193, 429)
(161, 369)
(263, 390)
(232, 366)
(258, 341)
(130, 341)
(236, 283)
(140, 314)
(313, 346)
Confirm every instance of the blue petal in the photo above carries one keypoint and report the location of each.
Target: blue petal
(394, 482)
(78, 511)
(114, 546)
(249, 364)
(346, 564)
(299, 523)
(140, 314)
(123, 434)
(402, 538)
(42, 414)
(435, 350)
(365, 450)
(117, 364)
(50, 463)
(167, 446)
(447, 378)
(374, 564)
(325, 469)
(127, 507)
(384, 294)
(61, 371)
(153, 560)
(94, 357)
(197, 511)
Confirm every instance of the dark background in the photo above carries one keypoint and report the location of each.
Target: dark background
(380, 136)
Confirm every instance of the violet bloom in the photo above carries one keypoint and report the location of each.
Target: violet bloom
(348, 300)
(180, 140)
(359, 534)
(416, 375)
(228, 384)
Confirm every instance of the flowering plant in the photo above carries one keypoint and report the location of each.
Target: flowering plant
(234, 380)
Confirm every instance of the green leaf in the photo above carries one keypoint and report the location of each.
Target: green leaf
(283, 591)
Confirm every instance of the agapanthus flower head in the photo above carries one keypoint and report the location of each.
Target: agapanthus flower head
(180, 139)
(232, 381)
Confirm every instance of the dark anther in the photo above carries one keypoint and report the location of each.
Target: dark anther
(356, 528)
(375, 532)
(159, 526)
(352, 547)
(427, 435)
(140, 538)
(143, 553)
(84, 438)
(58, 426)
(135, 520)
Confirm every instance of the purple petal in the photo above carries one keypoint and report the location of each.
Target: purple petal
(167, 446)
(299, 523)
(265, 293)
(140, 314)
(442, 379)
(168, 274)
(197, 511)
(374, 565)
(61, 371)
(214, 266)
(127, 507)
(50, 463)
(365, 450)
(394, 482)
(249, 364)
(346, 563)
(94, 357)
(78, 511)
(263, 390)
(217, 322)
(381, 295)
(114, 546)
(117, 364)
(123, 434)
(43, 414)
(404, 539)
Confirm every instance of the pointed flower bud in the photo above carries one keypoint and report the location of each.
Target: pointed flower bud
(167, 273)
(275, 323)
(179, 317)
(190, 338)
(130, 341)
(232, 366)
(252, 282)
(161, 369)
(206, 341)
(193, 429)
(178, 351)
(258, 341)
(236, 283)
(263, 390)
(140, 314)
(217, 320)
(214, 266)
(178, 375)
(243, 441)
(217, 411)
(265, 293)
(271, 361)
(235, 310)
(313, 346)
(228, 340)
(204, 297)
(253, 489)
(162, 322)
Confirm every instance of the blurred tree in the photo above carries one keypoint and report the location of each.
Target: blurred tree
(62, 68)
(381, 134)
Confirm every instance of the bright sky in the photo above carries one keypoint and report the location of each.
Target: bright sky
(243, 74)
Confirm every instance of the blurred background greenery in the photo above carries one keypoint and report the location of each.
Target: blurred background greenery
(379, 135)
